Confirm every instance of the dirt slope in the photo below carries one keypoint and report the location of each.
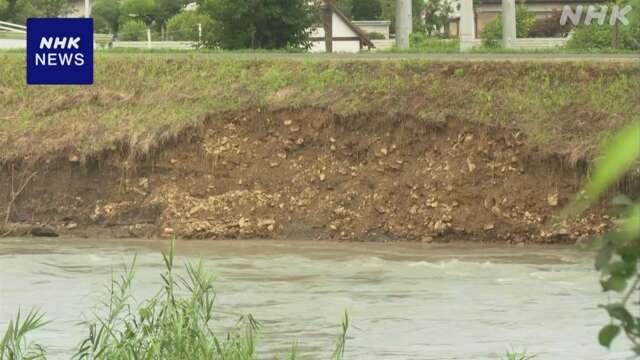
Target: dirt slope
(312, 174)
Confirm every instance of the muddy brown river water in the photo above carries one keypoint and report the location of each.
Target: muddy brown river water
(406, 301)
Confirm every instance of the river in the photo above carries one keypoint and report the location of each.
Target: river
(406, 301)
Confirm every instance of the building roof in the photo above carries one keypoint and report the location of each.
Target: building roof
(363, 36)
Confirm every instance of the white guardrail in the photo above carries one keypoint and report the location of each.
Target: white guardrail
(12, 36)
(175, 45)
(9, 27)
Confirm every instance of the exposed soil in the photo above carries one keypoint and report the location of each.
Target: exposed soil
(314, 175)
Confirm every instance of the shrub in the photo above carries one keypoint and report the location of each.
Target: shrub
(589, 37)
(596, 36)
(133, 30)
(492, 33)
(184, 26)
(550, 26)
(420, 42)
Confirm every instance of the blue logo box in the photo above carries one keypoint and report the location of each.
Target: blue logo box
(59, 51)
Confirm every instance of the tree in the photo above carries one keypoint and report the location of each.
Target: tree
(17, 11)
(184, 27)
(143, 10)
(164, 10)
(109, 12)
(436, 15)
(366, 9)
(268, 24)
(51, 8)
(389, 13)
(133, 30)
(345, 5)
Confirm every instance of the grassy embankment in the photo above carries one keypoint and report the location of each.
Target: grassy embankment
(142, 99)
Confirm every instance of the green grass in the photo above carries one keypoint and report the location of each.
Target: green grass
(139, 100)
(421, 44)
(175, 324)
(516, 355)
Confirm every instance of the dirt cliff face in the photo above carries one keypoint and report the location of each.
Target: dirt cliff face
(310, 174)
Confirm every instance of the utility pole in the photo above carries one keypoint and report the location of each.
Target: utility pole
(87, 9)
(404, 23)
(508, 23)
(467, 25)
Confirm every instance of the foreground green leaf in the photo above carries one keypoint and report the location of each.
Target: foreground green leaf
(607, 334)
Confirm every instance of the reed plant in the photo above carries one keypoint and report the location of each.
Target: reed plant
(176, 323)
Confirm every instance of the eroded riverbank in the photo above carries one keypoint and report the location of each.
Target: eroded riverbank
(315, 175)
(210, 148)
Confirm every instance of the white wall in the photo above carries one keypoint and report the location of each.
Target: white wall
(381, 27)
(340, 29)
(346, 46)
(338, 46)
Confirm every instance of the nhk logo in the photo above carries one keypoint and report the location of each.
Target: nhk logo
(59, 51)
(61, 59)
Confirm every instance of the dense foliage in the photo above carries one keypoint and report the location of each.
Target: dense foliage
(17, 11)
(436, 16)
(607, 36)
(154, 14)
(107, 11)
(133, 30)
(550, 26)
(184, 26)
(227, 24)
(273, 24)
(366, 9)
